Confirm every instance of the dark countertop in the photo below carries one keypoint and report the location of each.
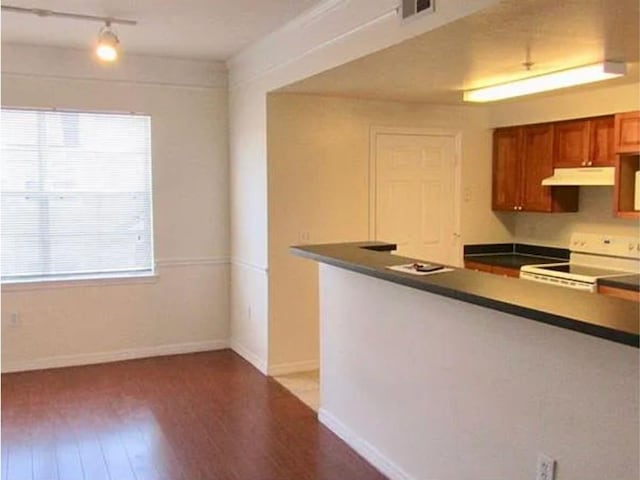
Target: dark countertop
(627, 282)
(601, 316)
(514, 255)
(511, 260)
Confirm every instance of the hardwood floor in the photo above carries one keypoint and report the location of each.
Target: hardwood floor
(205, 416)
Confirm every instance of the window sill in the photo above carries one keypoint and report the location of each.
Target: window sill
(79, 282)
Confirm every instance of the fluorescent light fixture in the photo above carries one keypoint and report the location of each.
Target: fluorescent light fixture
(550, 81)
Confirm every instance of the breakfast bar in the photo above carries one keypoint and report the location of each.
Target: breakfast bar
(459, 374)
(608, 318)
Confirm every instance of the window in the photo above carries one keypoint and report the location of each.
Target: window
(76, 195)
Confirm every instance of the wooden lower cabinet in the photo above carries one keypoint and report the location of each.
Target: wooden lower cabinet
(619, 293)
(477, 266)
(483, 267)
(505, 272)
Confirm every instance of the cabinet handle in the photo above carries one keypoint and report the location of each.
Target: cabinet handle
(589, 163)
(515, 208)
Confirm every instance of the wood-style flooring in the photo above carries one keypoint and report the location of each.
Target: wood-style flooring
(204, 416)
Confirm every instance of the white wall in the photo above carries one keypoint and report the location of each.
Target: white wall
(186, 307)
(427, 387)
(331, 34)
(595, 212)
(318, 183)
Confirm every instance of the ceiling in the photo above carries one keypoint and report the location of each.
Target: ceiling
(489, 47)
(199, 29)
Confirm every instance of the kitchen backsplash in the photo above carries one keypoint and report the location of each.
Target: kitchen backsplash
(594, 216)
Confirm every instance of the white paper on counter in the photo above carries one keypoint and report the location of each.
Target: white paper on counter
(410, 268)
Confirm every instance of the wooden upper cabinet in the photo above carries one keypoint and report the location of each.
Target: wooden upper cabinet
(601, 143)
(537, 164)
(522, 158)
(506, 169)
(627, 132)
(584, 143)
(571, 143)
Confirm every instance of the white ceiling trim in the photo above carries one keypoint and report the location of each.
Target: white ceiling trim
(349, 30)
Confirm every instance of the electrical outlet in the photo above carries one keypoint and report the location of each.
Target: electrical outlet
(546, 467)
(304, 237)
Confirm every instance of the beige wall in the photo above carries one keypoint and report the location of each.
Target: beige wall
(318, 150)
(595, 215)
(331, 34)
(465, 392)
(186, 307)
(596, 203)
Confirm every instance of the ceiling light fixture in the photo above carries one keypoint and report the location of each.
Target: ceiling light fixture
(107, 47)
(550, 81)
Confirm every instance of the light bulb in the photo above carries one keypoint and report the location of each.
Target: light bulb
(106, 52)
(107, 48)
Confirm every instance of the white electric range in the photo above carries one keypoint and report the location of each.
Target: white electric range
(593, 256)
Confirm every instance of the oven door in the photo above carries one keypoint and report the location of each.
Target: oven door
(559, 282)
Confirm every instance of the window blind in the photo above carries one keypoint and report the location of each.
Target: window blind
(76, 195)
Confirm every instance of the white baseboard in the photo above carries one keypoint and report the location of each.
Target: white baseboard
(249, 356)
(364, 448)
(293, 367)
(113, 356)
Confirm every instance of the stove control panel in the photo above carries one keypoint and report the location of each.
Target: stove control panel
(610, 245)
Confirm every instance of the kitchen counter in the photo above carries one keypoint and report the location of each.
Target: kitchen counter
(514, 255)
(609, 318)
(627, 282)
(511, 260)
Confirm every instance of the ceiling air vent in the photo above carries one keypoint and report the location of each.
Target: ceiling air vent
(414, 7)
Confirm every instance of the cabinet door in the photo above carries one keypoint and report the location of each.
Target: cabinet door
(619, 293)
(627, 132)
(477, 266)
(537, 164)
(571, 143)
(506, 169)
(505, 272)
(602, 150)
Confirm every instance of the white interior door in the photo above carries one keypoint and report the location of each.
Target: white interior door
(415, 204)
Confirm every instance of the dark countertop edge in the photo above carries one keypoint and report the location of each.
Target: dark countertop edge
(599, 331)
(378, 246)
(616, 282)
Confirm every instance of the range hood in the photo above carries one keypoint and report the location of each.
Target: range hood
(580, 176)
